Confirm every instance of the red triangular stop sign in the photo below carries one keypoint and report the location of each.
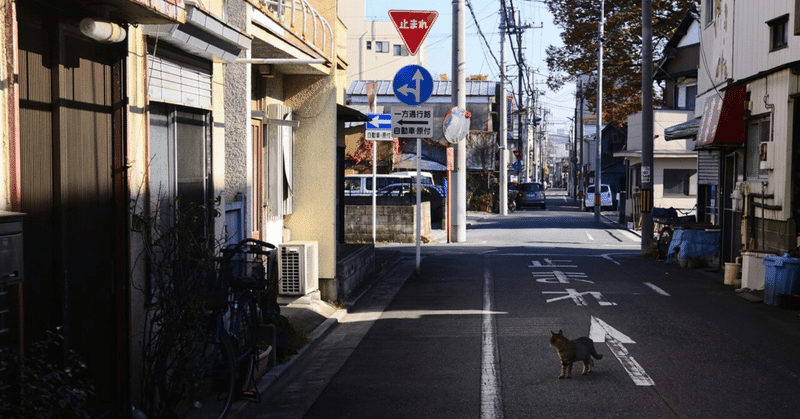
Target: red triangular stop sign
(413, 26)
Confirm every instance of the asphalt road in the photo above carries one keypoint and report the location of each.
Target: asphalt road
(469, 336)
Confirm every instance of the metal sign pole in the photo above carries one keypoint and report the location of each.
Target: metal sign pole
(419, 203)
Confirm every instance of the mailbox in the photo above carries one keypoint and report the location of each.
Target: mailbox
(11, 262)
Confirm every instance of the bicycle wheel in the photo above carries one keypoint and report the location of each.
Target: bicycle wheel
(212, 394)
(243, 327)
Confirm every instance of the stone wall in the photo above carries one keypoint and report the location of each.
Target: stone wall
(394, 223)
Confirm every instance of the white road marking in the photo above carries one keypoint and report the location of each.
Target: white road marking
(559, 277)
(491, 400)
(656, 289)
(600, 331)
(577, 297)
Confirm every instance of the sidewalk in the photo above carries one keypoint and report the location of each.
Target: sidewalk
(314, 317)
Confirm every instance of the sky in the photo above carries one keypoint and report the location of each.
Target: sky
(536, 39)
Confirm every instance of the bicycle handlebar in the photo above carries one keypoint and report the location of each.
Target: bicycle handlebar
(230, 251)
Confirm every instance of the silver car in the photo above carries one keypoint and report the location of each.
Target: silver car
(531, 195)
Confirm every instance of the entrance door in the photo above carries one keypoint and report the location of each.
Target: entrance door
(67, 124)
(731, 219)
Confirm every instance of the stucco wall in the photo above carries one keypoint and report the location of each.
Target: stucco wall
(314, 218)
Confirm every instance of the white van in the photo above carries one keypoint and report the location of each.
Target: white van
(361, 185)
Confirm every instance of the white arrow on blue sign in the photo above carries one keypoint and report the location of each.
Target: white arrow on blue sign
(380, 121)
(413, 85)
(380, 128)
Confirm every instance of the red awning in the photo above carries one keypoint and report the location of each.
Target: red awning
(723, 121)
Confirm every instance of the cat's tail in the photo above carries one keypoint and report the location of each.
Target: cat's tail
(596, 355)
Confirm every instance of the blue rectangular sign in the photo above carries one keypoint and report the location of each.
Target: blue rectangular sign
(380, 121)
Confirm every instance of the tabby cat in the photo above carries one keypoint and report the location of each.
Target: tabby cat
(569, 351)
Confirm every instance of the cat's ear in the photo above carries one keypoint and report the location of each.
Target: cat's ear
(560, 332)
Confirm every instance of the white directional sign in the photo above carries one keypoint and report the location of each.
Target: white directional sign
(601, 332)
(380, 128)
(412, 122)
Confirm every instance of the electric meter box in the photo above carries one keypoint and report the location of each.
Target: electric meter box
(11, 262)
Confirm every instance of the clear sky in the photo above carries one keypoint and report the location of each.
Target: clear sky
(543, 32)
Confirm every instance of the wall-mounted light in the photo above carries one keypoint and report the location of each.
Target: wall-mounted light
(102, 31)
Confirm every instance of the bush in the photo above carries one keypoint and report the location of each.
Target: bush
(45, 383)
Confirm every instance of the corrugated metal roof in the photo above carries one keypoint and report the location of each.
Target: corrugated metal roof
(440, 88)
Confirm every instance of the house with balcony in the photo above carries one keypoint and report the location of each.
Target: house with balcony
(115, 110)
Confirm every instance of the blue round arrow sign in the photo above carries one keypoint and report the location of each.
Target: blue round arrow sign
(413, 85)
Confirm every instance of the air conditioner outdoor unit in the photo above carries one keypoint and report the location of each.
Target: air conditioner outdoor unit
(298, 268)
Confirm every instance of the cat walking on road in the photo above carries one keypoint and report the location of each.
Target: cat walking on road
(570, 351)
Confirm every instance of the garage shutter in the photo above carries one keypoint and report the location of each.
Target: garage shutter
(708, 167)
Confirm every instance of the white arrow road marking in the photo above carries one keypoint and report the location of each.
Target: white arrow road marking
(600, 331)
(656, 289)
(491, 401)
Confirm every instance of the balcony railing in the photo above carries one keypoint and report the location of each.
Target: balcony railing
(305, 22)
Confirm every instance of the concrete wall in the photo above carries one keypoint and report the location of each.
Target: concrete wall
(394, 223)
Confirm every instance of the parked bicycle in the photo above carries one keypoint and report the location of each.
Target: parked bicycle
(228, 351)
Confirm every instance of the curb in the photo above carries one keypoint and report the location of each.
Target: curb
(270, 377)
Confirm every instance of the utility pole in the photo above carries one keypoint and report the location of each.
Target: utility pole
(599, 135)
(459, 99)
(581, 176)
(503, 181)
(647, 126)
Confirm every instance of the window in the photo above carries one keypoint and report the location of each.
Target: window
(757, 133)
(369, 45)
(278, 161)
(680, 182)
(400, 50)
(779, 33)
(708, 5)
(180, 147)
(382, 46)
(685, 96)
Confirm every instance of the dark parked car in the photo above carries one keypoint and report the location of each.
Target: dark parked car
(531, 195)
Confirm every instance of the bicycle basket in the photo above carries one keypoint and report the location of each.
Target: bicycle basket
(249, 264)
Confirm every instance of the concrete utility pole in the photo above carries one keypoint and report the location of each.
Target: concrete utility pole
(647, 126)
(503, 181)
(458, 222)
(581, 175)
(599, 135)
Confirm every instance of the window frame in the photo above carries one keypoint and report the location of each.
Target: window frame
(684, 181)
(753, 150)
(778, 33)
(709, 12)
(400, 50)
(369, 45)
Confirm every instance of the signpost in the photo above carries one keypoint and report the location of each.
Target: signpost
(412, 122)
(413, 26)
(380, 128)
(413, 85)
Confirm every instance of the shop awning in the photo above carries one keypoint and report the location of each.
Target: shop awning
(723, 121)
(683, 131)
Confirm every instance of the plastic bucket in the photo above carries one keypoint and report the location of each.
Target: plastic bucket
(732, 274)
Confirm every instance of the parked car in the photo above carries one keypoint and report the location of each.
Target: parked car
(433, 193)
(531, 195)
(606, 197)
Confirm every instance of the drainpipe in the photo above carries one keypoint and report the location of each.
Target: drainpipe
(771, 107)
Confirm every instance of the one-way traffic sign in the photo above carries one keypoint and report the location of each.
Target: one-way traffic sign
(412, 122)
